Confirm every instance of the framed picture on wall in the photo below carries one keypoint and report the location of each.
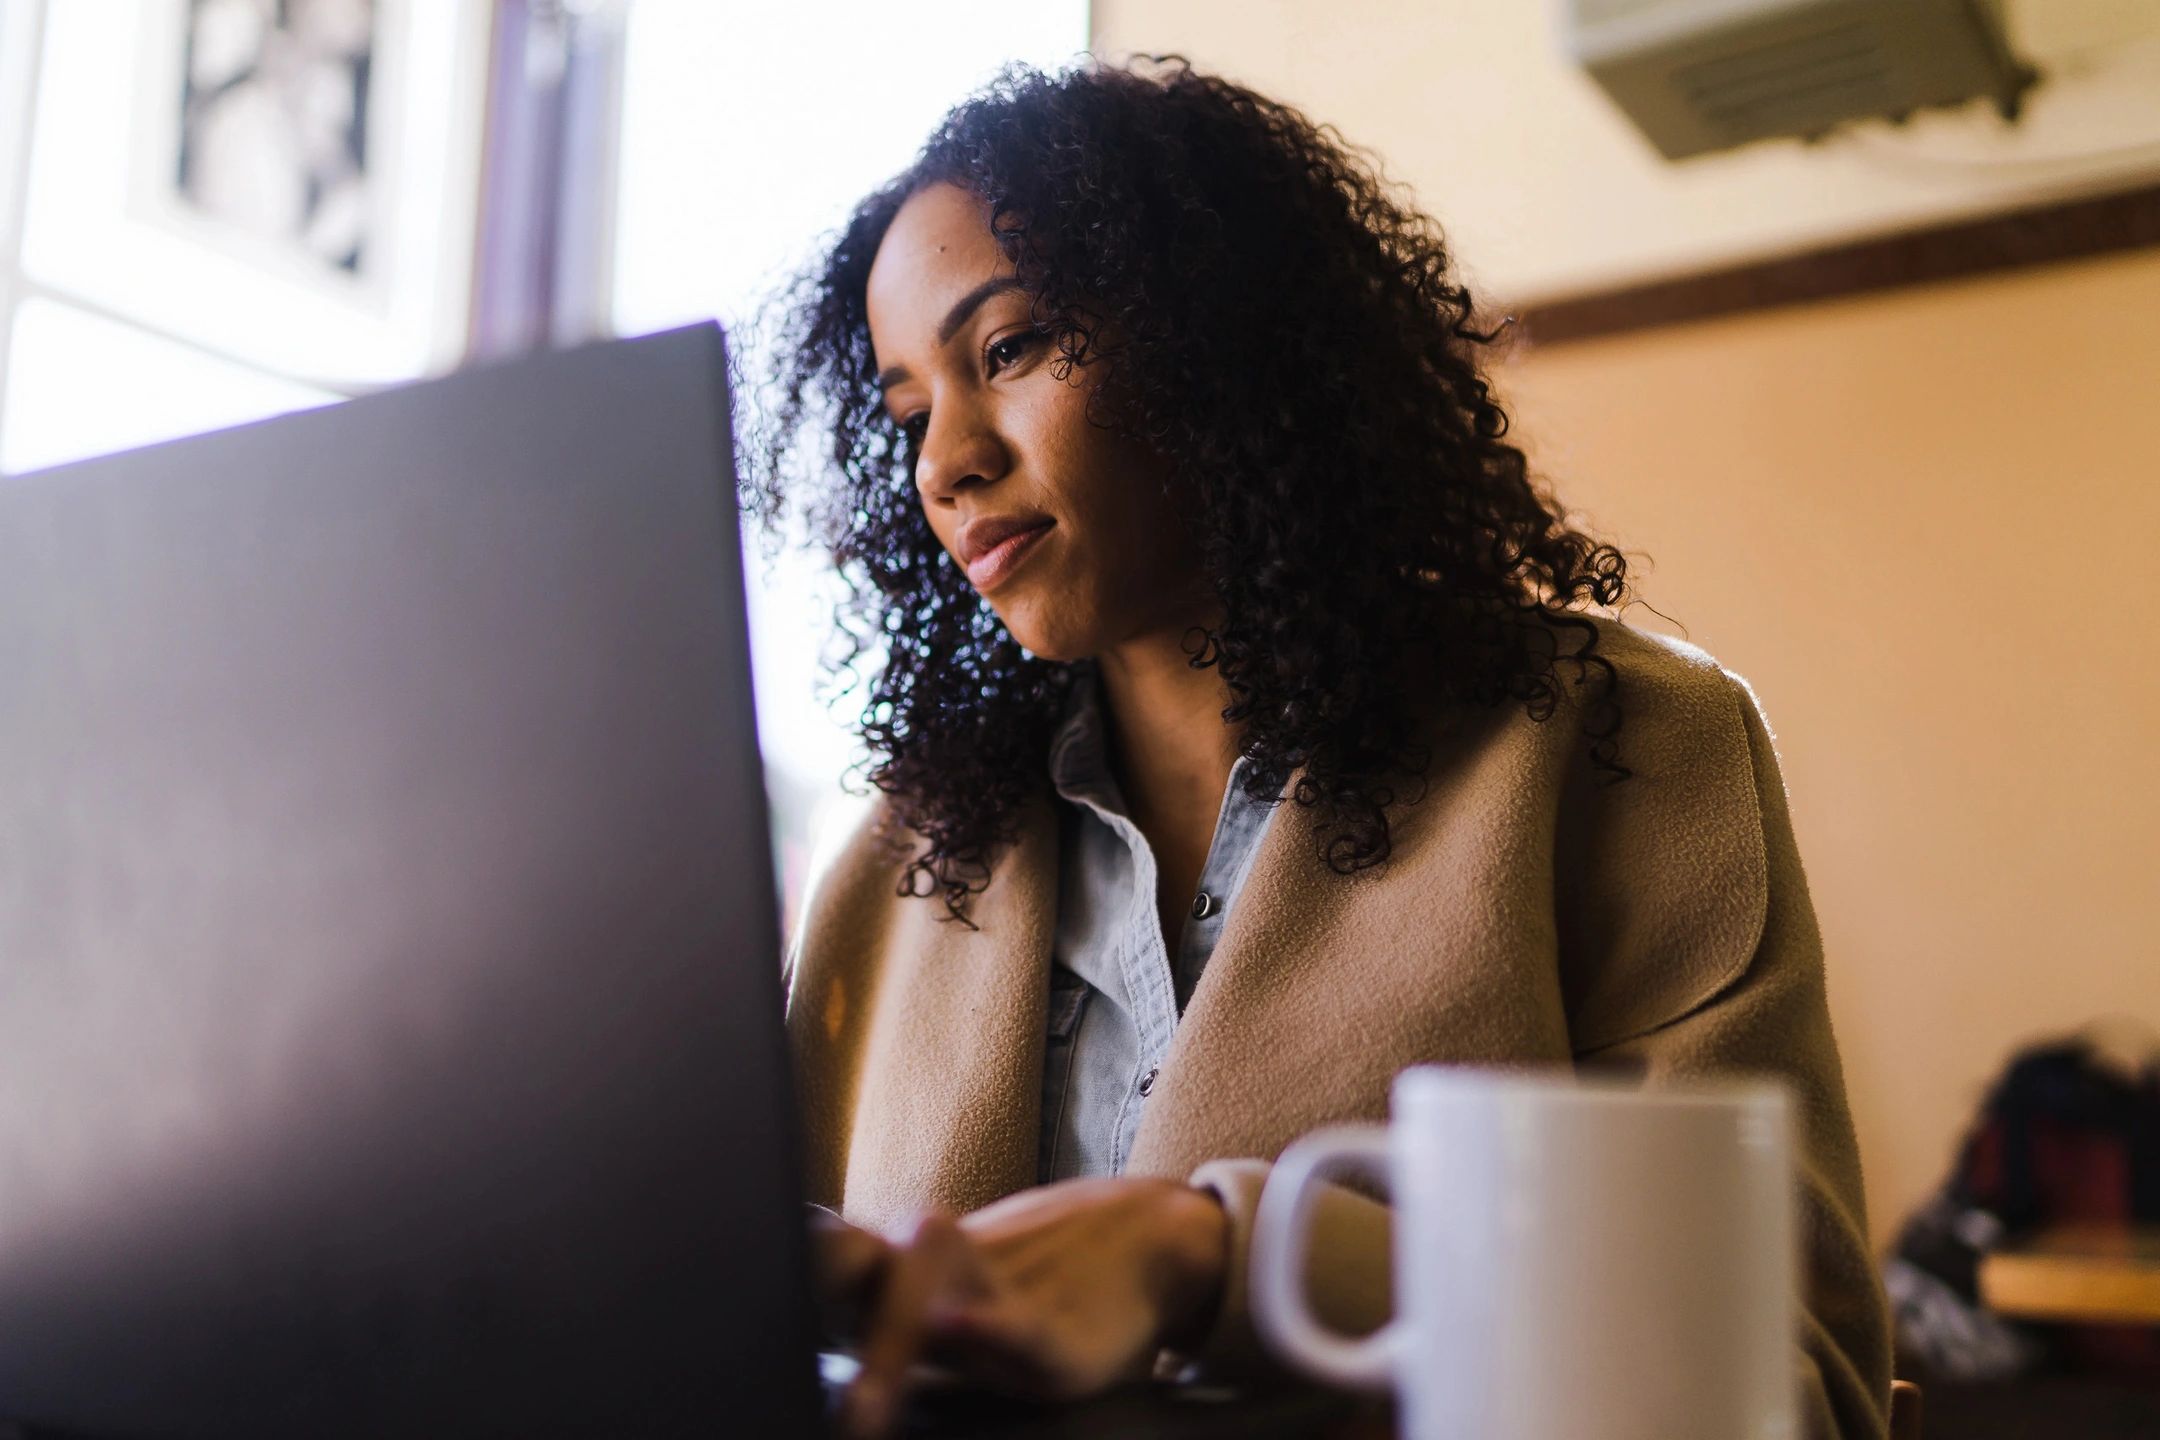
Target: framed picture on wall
(291, 183)
(270, 140)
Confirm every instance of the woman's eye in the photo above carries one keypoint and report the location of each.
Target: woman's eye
(1010, 350)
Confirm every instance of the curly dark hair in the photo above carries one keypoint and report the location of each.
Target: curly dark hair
(1280, 326)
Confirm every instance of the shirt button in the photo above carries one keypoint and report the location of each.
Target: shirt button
(1147, 1081)
(1203, 905)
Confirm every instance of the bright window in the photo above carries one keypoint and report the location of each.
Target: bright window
(215, 229)
(79, 384)
(212, 211)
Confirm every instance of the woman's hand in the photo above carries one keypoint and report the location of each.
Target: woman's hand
(1051, 1293)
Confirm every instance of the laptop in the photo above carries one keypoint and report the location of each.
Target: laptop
(389, 971)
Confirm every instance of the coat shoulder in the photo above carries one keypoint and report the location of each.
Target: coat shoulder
(1681, 680)
(1683, 714)
(1663, 877)
(853, 878)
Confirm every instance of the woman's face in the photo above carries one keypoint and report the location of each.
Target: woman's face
(1064, 528)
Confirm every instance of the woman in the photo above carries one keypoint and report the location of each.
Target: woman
(1244, 734)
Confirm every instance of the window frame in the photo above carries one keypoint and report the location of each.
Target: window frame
(25, 63)
(22, 41)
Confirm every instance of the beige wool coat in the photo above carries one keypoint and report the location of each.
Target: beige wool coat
(1527, 916)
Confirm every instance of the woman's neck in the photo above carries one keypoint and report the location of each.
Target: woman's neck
(1169, 748)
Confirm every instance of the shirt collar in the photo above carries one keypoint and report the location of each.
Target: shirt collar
(1079, 762)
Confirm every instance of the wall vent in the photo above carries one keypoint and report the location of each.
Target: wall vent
(1703, 75)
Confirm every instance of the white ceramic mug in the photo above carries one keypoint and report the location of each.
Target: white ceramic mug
(1574, 1259)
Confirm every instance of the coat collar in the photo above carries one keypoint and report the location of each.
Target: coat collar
(1306, 954)
(952, 1066)
(1523, 916)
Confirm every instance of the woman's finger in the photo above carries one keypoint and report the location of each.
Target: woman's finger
(847, 1257)
(850, 1263)
(993, 1344)
(922, 1272)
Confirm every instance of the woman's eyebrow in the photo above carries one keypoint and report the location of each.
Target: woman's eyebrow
(965, 306)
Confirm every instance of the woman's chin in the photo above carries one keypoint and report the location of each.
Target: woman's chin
(1055, 639)
(1053, 650)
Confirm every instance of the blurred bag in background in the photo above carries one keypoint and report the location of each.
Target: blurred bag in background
(2070, 1133)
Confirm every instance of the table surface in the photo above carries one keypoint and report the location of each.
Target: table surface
(1153, 1412)
(941, 1406)
(2096, 1274)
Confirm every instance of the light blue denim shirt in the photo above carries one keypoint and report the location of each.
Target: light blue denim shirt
(1115, 995)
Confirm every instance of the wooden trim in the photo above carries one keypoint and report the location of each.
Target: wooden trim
(2129, 220)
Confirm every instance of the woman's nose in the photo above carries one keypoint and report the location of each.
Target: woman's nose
(958, 451)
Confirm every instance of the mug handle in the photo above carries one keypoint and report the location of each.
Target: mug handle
(1278, 1259)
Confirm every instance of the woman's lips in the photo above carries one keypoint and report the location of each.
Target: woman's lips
(989, 570)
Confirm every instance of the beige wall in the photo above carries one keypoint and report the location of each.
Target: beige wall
(1548, 190)
(1924, 526)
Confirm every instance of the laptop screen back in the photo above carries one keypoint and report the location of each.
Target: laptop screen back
(389, 983)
